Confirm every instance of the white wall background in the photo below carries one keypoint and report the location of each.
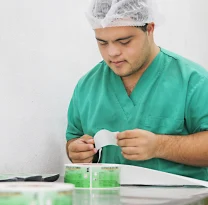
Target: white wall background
(45, 47)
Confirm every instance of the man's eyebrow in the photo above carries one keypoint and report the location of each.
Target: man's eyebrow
(125, 38)
(119, 39)
(100, 39)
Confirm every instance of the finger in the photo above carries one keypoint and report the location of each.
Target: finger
(82, 155)
(79, 146)
(130, 150)
(85, 138)
(127, 142)
(84, 141)
(129, 134)
(133, 157)
(90, 141)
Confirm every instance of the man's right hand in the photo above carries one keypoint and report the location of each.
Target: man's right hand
(81, 150)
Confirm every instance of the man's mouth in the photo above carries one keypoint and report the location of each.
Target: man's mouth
(117, 63)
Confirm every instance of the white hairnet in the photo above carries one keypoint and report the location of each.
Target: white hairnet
(110, 13)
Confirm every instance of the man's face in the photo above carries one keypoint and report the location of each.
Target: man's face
(125, 49)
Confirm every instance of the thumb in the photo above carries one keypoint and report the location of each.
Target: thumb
(87, 139)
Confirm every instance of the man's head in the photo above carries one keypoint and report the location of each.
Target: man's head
(126, 50)
(124, 32)
(111, 13)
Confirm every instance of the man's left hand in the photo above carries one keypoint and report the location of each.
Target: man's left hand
(138, 144)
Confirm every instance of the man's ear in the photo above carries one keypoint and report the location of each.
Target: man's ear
(150, 28)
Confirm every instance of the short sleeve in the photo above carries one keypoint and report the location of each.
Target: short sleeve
(196, 114)
(74, 127)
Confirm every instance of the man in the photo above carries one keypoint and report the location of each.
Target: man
(157, 100)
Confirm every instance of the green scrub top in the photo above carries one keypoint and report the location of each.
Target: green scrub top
(171, 98)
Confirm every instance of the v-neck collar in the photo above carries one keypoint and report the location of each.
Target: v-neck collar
(128, 103)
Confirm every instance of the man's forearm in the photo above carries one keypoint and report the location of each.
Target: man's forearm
(190, 150)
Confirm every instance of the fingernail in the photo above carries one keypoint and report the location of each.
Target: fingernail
(95, 150)
(90, 141)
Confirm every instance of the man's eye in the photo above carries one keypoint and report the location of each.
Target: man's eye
(124, 42)
(103, 43)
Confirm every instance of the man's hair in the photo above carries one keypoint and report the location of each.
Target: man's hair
(143, 28)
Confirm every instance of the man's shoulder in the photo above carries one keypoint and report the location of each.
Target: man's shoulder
(95, 75)
(186, 65)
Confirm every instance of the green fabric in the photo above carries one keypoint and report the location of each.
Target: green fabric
(170, 98)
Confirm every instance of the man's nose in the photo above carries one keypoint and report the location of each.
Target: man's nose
(113, 50)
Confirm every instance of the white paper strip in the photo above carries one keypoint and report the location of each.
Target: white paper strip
(132, 175)
(104, 138)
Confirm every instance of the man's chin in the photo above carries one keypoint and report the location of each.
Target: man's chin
(126, 74)
(123, 75)
(118, 71)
